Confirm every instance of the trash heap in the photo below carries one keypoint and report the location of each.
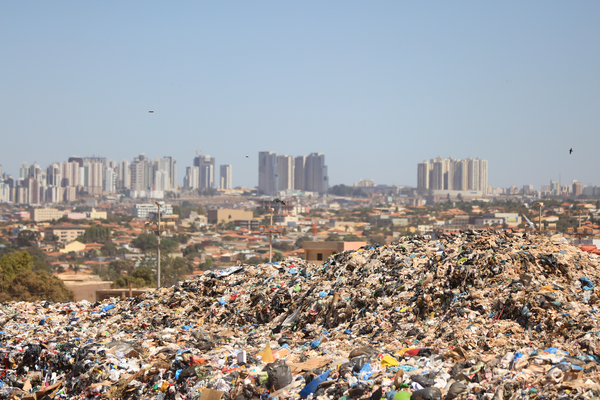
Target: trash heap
(480, 315)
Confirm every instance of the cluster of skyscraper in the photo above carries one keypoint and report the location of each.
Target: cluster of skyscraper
(202, 174)
(63, 182)
(302, 173)
(451, 174)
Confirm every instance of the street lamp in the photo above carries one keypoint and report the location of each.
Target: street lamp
(580, 232)
(540, 205)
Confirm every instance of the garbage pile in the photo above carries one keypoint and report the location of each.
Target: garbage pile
(480, 315)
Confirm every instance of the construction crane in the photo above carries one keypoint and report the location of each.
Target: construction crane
(196, 150)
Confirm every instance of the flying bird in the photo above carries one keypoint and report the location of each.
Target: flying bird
(571, 151)
(247, 156)
(151, 112)
(279, 201)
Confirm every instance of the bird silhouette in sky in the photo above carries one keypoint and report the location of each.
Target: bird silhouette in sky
(151, 112)
(247, 156)
(279, 201)
(571, 151)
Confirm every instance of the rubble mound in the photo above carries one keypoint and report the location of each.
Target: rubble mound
(480, 315)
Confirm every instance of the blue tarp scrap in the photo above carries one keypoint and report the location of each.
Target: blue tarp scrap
(586, 283)
(108, 307)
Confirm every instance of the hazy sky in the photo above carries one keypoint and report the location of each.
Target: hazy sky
(378, 86)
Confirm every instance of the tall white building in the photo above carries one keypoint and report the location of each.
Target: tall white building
(315, 176)
(225, 181)
(140, 174)
(54, 175)
(192, 178)
(267, 173)
(169, 165)
(161, 181)
(70, 174)
(110, 181)
(24, 171)
(206, 165)
(285, 172)
(299, 164)
(123, 175)
(4, 192)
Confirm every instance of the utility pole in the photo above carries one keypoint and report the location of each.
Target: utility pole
(158, 241)
(271, 237)
(580, 232)
(271, 230)
(540, 205)
(157, 232)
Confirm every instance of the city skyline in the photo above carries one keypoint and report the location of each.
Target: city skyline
(378, 88)
(67, 181)
(56, 174)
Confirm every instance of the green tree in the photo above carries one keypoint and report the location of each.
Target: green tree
(347, 191)
(277, 256)
(51, 239)
(353, 238)
(20, 283)
(39, 259)
(27, 237)
(144, 273)
(14, 263)
(174, 271)
(145, 242)
(168, 246)
(120, 266)
(301, 240)
(181, 238)
(333, 238)
(254, 260)
(208, 264)
(241, 257)
(32, 286)
(177, 210)
(109, 249)
(193, 250)
(141, 277)
(282, 246)
(99, 234)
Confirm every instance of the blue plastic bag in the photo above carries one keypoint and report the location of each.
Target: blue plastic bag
(586, 284)
(313, 385)
(108, 307)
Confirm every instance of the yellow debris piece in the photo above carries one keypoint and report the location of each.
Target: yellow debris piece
(388, 361)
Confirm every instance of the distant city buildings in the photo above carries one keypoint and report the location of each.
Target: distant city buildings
(449, 174)
(201, 175)
(89, 176)
(302, 173)
(365, 183)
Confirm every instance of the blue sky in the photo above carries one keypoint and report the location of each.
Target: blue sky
(376, 86)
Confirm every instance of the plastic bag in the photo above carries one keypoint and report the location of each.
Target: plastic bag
(280, 374)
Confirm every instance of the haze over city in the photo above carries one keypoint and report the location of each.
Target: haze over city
(376, 87)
